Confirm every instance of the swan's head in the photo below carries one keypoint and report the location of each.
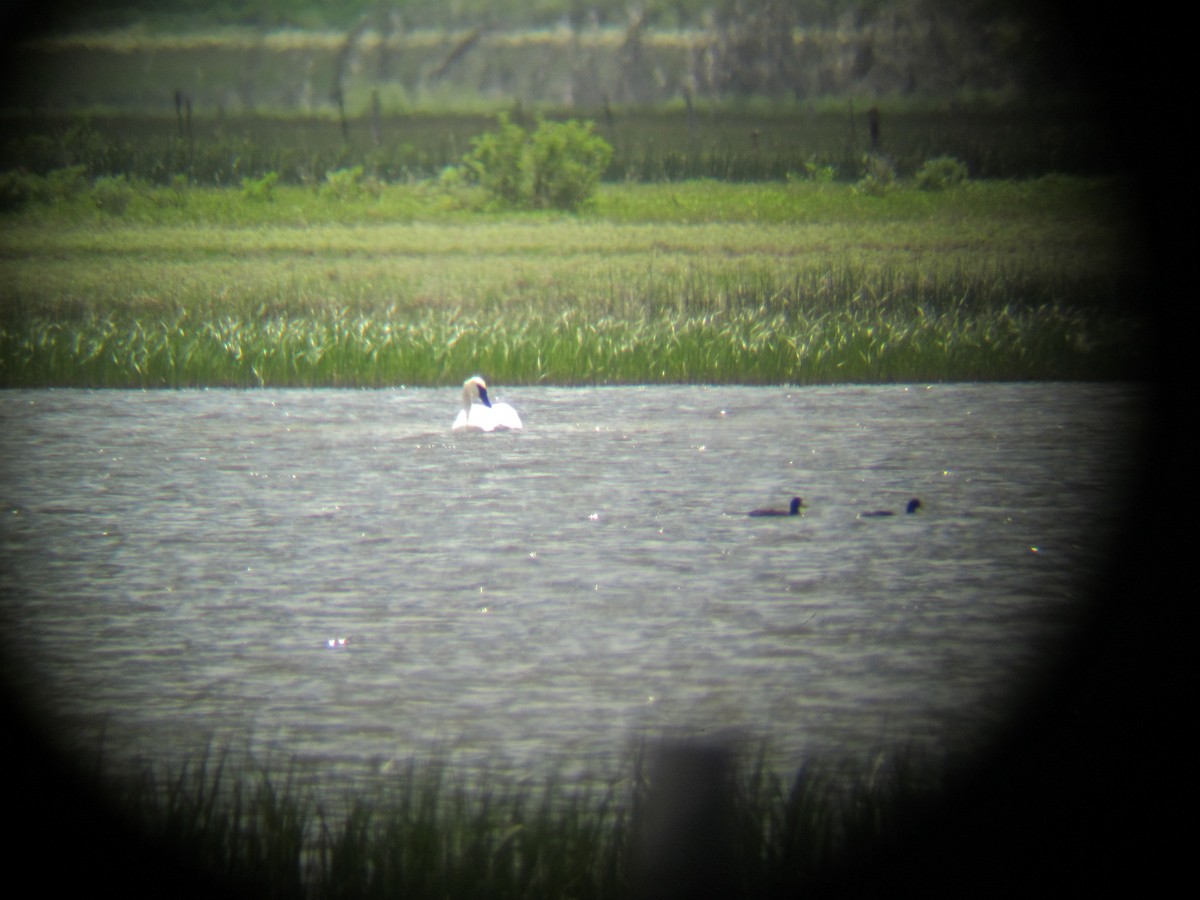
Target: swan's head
(475, 388)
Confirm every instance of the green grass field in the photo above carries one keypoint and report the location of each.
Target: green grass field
(689, 282)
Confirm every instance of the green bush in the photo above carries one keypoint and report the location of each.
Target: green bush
(16, 190)
(112, 193)
(568, 159)
(176, 196)
(557, 166)
(878, 176)
(349, 184)
(499, 162)
(63, 184)
(19, 188)
(821, 173)
(260, 189)
(940, 173)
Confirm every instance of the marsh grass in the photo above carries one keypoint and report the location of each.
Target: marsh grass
(868, 342)
(674, 283)
(430, 830)
(236, 824)
(834, 326)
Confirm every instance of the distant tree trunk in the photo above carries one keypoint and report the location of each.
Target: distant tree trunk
(375, 116)
(610, 122)
(461, 49)
(340, 100)
(183, 114)
(340, 64)
(693, 142)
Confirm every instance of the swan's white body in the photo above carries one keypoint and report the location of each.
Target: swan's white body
(478, 413)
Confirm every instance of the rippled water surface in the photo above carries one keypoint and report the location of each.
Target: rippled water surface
(174, 565)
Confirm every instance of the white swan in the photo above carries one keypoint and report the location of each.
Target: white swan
(484, 415)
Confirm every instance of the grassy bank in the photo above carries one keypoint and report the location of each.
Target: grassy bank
(802, 282)
(427, 831)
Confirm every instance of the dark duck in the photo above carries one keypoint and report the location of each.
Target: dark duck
(913, 505)
(792, 510)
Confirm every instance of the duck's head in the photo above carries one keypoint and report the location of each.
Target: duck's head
(475, 388)
(913, 505)
(794, 507)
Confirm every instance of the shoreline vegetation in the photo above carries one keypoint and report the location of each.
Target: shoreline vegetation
(428, 830)
(360, 283)
(266, 206)
(276, 205)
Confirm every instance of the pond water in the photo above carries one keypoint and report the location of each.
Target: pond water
(174, 566)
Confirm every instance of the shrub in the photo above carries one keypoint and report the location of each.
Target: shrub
(818, 172)
(37, 153)
(878, 176)
(19, 188)
(174, 196)
(499, 162)
(558, 166)
(260, 189)
(568, 159)
(84, 145)
(112, 193)
(349, 184)
(16, 190)
(940, 173)
(63, 184)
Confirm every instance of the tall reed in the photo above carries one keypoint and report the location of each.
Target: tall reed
(429, 830)
(762, 284)
(845, 324)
